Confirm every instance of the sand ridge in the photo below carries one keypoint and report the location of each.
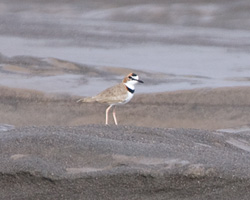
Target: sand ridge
(210, 109)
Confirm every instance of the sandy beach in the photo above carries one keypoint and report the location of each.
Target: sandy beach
(184, 135)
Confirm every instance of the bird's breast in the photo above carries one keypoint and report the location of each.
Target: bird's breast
(129, 97)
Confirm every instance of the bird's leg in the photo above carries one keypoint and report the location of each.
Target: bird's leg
(114, 116)
(107, 114)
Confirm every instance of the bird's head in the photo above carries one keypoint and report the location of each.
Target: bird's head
(132, 78)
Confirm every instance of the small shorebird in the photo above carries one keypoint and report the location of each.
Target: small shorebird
(119, 94)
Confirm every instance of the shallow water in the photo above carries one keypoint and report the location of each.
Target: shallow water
(190, 56)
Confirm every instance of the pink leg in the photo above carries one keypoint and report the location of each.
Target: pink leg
(114, 116)
(107, 114)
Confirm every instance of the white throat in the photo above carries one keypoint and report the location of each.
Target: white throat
(130, 85)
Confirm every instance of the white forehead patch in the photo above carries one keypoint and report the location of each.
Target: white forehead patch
(136, 77)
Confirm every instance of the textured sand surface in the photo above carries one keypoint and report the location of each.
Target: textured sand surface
(109, 162)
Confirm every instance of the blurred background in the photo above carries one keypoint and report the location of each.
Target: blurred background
(81, 47)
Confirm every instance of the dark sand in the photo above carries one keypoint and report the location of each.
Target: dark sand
(48, 156)
(124, 162)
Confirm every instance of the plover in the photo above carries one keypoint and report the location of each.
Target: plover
(119, 94)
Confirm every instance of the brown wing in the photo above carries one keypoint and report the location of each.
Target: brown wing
(115, 94)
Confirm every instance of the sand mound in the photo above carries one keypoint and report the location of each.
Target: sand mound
(108, 162)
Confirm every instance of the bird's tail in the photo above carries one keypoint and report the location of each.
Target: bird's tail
(86, 100)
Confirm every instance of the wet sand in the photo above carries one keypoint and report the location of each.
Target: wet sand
(184, 42)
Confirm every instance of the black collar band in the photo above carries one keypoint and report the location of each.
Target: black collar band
(130, 90)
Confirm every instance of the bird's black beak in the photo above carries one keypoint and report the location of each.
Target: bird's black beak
(140, 81)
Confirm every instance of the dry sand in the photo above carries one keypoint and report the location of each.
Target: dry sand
(208, 109)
